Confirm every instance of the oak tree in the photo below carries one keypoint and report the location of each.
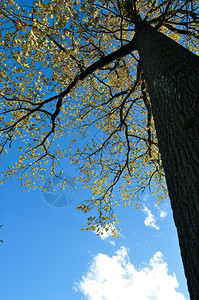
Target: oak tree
(130, 69)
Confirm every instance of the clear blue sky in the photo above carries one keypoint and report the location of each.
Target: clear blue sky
(45, 253)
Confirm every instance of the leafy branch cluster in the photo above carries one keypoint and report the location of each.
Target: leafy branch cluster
(69, 66)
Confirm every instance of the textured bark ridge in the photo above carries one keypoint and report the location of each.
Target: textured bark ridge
(172, 76)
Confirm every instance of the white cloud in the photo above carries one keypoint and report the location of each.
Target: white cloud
(105, 233)
(115, 278)
(150, 219)
(163, 214)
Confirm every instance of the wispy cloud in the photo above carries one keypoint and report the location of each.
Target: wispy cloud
(150, 218)
(112, 243)
(116, 278)
(163, 214)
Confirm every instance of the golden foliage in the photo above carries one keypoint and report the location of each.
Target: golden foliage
(61, 74)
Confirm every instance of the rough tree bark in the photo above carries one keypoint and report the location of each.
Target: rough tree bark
(172, 77)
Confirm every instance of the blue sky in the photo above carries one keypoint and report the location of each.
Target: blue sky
(46, 255)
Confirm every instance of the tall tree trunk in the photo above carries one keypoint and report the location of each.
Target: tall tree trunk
(172, 76)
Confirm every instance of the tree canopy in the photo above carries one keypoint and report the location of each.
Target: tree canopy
(67, 67)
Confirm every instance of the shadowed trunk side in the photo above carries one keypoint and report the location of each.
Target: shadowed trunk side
(172, 76)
